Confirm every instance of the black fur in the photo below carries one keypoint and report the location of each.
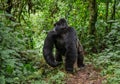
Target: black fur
(66, 43)
(48, 49)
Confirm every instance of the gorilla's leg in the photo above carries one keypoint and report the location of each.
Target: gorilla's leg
(80, 57)
(71, 55)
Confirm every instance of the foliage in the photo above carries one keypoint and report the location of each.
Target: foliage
(108, 60)
(19, 60)
(23, 29)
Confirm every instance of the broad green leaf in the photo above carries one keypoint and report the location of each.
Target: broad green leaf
(2, 80)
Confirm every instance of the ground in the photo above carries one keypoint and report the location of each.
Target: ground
(88, 75)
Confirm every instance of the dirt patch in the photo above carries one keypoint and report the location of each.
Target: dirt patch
(88, 75)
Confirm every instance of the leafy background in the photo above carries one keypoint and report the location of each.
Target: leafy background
(23, 28)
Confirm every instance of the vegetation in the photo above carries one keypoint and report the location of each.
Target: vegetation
(23, 28)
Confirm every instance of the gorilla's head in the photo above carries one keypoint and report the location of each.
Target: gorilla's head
(61, 26)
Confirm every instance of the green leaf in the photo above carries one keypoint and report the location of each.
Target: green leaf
(2, 80)
(9, 15)
(9, 69)
(104, 1)
(117, 72)
(10, 62)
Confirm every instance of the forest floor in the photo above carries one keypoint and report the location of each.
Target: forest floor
(88, 75)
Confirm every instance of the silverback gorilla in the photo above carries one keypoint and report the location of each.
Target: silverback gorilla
(66, 43)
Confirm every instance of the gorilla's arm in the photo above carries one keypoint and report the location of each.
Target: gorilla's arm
(48, 49)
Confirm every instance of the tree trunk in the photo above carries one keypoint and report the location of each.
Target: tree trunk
(107, 7)
(113, 13)
(93, 16)
(92, 21)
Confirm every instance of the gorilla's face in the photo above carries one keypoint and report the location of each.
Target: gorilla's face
(61, 26)
(60, 29)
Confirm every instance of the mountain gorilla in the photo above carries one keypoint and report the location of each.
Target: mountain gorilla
(65, 40)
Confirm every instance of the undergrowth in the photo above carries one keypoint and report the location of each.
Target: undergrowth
(109, 59)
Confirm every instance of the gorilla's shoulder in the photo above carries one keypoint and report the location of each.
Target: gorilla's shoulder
(71, 29)
(51, 33)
